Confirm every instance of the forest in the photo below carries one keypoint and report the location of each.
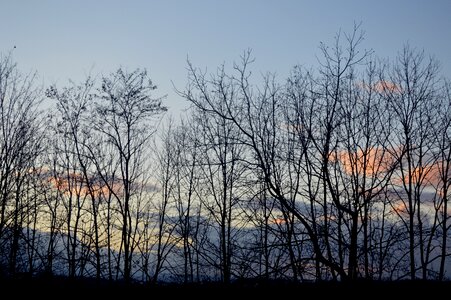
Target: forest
(340, 172)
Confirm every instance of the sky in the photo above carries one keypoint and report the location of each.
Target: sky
(64, 40)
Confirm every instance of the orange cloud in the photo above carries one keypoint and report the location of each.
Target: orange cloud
(373, 161)
(384, 86)
(429, 175)
(278, 221)
(75, 184)
(399, 207)
(381, 86)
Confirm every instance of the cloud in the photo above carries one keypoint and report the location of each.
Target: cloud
(278, 221)
(75, 184)
(399, 207)
(384, 86)
(381, 86)
(429, 175)
(370, 162)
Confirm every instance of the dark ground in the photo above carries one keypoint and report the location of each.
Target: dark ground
(63, 288)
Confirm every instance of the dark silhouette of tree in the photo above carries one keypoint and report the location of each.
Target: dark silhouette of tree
(124, 112)
(340, 172)
(20, 145)
(444, 172)
(411, 89)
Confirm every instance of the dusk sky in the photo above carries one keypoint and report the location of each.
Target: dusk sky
(66, 39)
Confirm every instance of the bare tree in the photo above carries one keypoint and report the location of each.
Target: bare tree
(20, 144)
(444, 173)
(411, 89)
(78, 174)
(221, 172)
(186, 160)
(124, 112)
(339, 173)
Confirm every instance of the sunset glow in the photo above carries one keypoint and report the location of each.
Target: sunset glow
(271, 145)
(371, 162)
(75, 184)
(387, 87)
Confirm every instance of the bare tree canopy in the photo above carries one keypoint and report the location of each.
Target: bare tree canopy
(337, 173)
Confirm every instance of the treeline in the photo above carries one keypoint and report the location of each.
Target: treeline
(338, 173)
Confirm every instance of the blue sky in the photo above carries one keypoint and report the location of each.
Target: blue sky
(66, 39)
